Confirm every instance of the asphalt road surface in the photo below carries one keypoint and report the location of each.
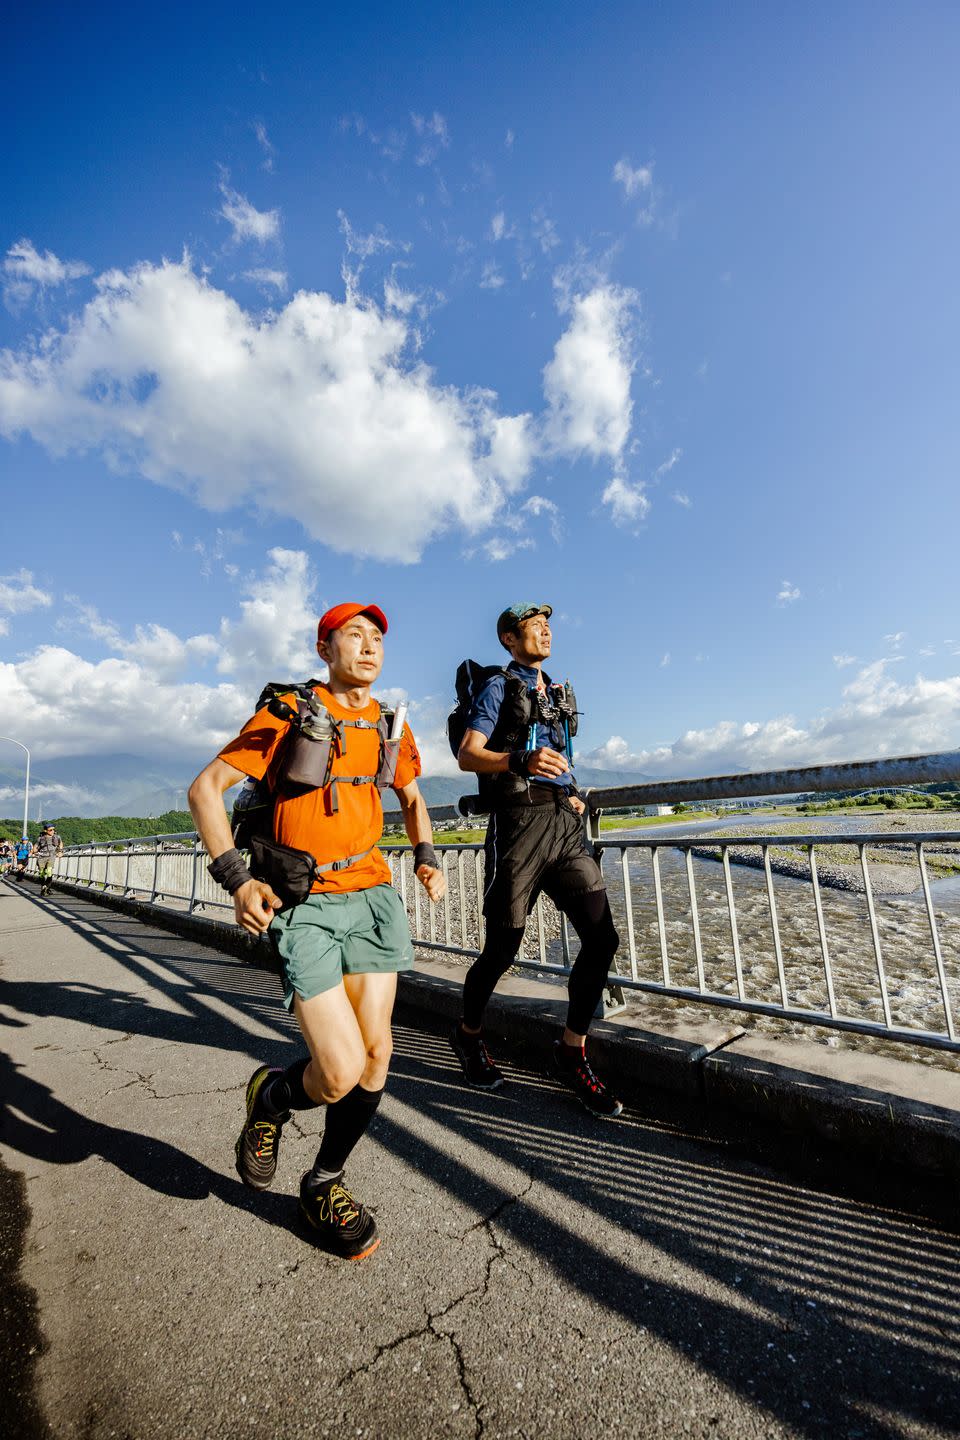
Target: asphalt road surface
(541, 1273)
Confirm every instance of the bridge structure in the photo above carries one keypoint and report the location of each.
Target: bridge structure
(682, 1271)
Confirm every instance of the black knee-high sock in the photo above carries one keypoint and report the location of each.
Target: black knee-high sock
(347, 1120)
(285, 1092)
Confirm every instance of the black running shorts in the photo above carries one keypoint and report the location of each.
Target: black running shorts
(534, 847)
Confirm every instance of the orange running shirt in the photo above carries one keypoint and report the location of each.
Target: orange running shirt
(304, 821)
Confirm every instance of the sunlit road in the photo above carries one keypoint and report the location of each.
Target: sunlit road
(541, 1274)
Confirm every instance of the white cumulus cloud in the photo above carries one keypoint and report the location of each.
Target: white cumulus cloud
(876, 716)
(499, 229)
(268, 279)
(245, 220)
(587, 388)
(26, 270)
(633, 181)
(787, 593)
(303, 411)
(587, 382)
(18, 594)
(627, 500)
(144, 696)
(490, 276)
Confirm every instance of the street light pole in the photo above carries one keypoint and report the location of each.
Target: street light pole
(26, 786)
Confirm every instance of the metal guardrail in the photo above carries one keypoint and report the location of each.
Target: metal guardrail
(666, 946)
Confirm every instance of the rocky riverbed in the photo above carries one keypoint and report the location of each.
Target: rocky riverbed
(893, 867)
(903, 926)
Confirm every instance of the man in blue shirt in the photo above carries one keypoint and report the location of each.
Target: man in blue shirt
(516, 744)
(24, 851)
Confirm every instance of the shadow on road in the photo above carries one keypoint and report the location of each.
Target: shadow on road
(883, 1335)
(36, 1123)
(875, 1354)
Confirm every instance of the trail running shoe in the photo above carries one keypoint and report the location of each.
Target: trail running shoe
(259, 1142)
(337, 1221)
(585, 1084)
(478, 1069)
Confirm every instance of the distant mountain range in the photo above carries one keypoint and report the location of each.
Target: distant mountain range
(93, 785)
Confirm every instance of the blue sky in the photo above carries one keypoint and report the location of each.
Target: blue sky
(647, 311)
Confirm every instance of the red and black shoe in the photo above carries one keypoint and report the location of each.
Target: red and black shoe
(578, 1075)
(478, 1069)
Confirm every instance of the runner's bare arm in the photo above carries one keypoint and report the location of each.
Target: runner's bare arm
(413, 807)
(254, 902)
(474, 755)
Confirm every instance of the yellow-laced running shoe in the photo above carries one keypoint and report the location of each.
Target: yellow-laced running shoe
(259, 1142)
(337, 1221)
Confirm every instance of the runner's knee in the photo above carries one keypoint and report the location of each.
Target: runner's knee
(338, 1075)
(379, 1051)
(593, 921)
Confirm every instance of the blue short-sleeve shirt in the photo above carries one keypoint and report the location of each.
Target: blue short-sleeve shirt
(486, 712)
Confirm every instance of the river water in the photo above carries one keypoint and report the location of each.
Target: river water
(902, 923)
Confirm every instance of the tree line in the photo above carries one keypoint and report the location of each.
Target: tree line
(78, 830)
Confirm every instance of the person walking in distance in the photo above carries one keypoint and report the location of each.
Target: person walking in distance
(23, 852)
(517, 742)
(320, 890)
(49, 849)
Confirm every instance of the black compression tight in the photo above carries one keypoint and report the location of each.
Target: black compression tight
(591, 918)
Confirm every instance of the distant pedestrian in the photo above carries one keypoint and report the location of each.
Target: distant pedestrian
(517, 740)
(324, 898)
(49, 849)
(6, 856)
(24, 851)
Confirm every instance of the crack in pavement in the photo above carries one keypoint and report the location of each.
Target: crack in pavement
(138, 1078)
(429, 1326)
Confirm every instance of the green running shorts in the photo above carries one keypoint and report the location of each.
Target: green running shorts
(364, 932)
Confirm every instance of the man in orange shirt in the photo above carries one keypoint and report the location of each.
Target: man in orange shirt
(341, 946)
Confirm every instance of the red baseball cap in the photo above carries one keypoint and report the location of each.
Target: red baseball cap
(338, 615)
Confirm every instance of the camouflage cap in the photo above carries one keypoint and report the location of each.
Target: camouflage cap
(510, 618)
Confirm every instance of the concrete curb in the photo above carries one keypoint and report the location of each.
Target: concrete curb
(896, 1111)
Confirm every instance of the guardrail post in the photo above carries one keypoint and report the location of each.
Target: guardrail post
(195, 867)
(612, 1001)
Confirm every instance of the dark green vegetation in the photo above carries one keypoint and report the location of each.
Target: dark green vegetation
(884, 800)
(77, 831)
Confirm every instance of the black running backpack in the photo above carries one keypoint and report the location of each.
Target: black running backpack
(471, 678)
(252, 813)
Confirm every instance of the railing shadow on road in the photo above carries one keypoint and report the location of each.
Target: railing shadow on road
(876, 1354)
(886, 1325)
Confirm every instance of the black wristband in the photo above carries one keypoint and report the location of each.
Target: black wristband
(517, 763)
(424, 854)
(229, 870)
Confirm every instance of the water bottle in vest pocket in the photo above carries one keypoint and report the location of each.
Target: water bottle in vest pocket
(310, 751)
